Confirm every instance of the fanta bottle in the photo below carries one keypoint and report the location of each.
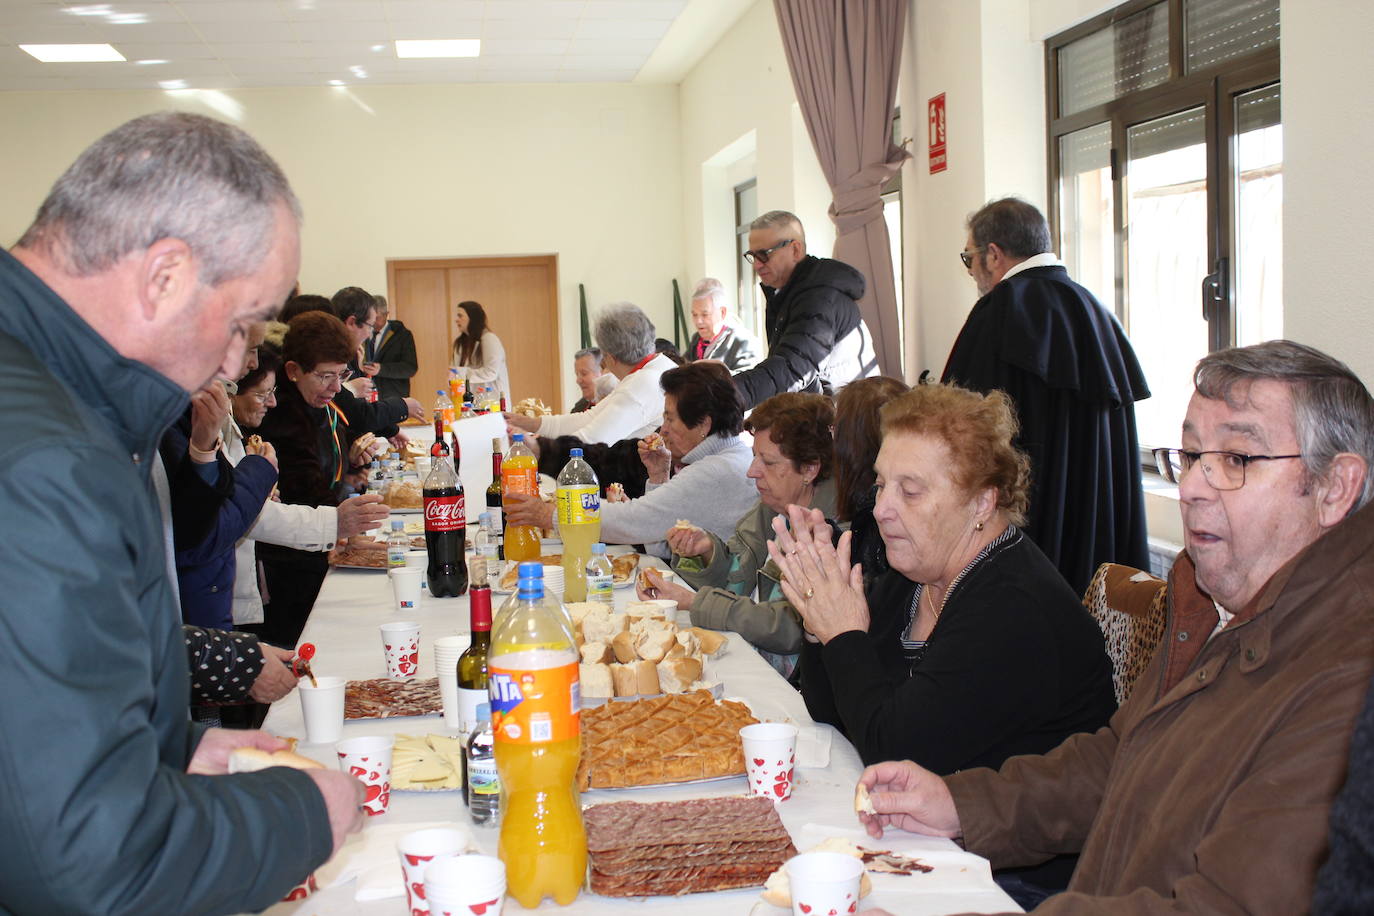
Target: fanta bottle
(520, 474)
(535, 710)
(577, 502)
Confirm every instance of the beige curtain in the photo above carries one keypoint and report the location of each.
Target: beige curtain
(844, 56)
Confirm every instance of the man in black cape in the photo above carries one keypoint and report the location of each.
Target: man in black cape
(1065, 361)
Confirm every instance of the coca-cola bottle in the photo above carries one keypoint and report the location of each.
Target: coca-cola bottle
(445, 526)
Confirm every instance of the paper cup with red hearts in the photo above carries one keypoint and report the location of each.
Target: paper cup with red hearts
(368, 760)
(466, 886)
(770, 755)
(302, 890)
(401, 646)
(824, 883)
(418, 849)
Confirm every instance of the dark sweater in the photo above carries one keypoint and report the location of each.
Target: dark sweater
(1014, 666)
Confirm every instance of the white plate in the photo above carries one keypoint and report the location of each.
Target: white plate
(668, 785)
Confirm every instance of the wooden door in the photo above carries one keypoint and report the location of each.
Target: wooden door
(520, 297)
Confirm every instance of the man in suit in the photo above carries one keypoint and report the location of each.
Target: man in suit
(390, 354)
(716, 336)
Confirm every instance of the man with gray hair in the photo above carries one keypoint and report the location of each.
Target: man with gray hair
(389, 354)
(817, 342)
(716, 336)
(634, 409)
(1065, 362)
(138, 282)
(1209, 789)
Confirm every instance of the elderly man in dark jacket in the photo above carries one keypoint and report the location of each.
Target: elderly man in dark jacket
(816, 340)
(135, 284)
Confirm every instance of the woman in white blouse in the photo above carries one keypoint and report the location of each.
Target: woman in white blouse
(478, 350)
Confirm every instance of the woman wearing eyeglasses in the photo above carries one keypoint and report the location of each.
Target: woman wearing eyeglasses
(316, 451)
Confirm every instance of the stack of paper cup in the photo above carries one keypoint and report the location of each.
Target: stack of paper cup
(465, 885)
(417, 850)
(447, 649)
(553, 581)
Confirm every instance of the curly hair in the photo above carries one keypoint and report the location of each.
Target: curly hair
(979, 431)
(705, 390)
(316, 337)
(800, 425)
(857, 437)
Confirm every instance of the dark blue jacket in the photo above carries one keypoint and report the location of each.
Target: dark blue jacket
(100, 814)
(205, 569)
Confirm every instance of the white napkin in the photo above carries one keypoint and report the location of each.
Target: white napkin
(370, 856)
(955, 871)
(813, 746)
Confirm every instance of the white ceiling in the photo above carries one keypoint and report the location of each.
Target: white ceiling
(226, 44)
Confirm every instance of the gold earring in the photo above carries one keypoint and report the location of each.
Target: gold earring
(978, 527)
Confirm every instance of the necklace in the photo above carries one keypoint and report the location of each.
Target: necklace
(930, 600)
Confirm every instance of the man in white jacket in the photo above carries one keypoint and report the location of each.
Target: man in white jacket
(635, 408)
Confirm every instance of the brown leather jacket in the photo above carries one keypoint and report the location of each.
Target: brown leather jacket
(1209, 791)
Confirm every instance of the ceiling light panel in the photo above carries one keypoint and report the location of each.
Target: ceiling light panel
(410, 49)
(70, 54)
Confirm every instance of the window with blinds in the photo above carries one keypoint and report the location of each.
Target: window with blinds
(1216, 31)
(1125, 56)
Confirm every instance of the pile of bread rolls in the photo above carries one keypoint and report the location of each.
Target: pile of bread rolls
(640, 652)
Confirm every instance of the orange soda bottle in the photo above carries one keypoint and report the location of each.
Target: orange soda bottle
(536, 706)
(520, 474)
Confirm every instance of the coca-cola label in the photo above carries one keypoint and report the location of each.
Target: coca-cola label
(445, 513)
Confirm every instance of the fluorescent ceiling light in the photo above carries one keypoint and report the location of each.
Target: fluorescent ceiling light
(439, 47)
(65, 54)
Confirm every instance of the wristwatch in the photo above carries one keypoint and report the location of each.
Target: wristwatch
(200, 456)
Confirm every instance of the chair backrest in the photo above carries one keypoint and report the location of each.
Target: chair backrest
(1128, 605)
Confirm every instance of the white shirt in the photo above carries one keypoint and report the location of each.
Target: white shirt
(633, 410)
(1044, 259)
(492, 368)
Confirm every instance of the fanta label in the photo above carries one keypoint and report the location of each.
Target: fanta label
(520, 480)
(535, 706)
(578, 505)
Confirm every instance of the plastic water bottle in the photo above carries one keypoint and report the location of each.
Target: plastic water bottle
(600, 576)
(484, 783)
(397, 545)
(578, 504)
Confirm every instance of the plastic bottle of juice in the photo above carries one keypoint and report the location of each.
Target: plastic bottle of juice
(577, 504)
(535, 708)
(520, 474)
(443, 409)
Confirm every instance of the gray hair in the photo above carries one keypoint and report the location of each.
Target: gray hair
(593, 352)
(782, 221)
(623, 331)
(1016, 227)
(1332, 409)
(712, 288)
(165, 175)
(382, 307)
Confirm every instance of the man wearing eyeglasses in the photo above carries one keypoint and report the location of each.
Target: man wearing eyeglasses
(1209, 790)
(1067, 365)
(816, 340)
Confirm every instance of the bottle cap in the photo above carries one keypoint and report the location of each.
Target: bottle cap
(598, 547)
(397, 524)
(483, 712)
(517, 437)
(575, 453)
(530, 569)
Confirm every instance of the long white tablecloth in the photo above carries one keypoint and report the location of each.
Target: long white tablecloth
(343, 627)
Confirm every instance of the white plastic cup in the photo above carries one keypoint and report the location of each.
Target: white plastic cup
(824, 882)
(322, 707)
(418, 559)
(770, 755)
(368, 759)
(447, 651)
(401, 648)
(423, 463)
(553, 581)
(405, 587)
(419, 848)
(466, 885)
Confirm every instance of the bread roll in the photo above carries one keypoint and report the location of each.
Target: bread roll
(596, 653)
(578, 610)
(602, 625)
(647, 675)
(625, 680)
(653, 644)
(863, 804)
(624, 647)
(711, 642)
(675, 675)
(596, 681)
(689, 642)
(252, 759)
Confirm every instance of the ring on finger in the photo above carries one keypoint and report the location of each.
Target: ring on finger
(809, 593)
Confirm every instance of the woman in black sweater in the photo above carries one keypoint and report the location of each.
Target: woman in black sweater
(971, 648)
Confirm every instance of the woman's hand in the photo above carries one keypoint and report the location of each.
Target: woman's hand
(660, 587)
(690, 542)
(414, 409)
(519, 423)
(817, 578)
(263, 449)
(364, 449)
(656, 457)
(523, 509)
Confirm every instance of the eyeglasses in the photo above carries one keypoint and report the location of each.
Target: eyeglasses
(760, 255)
(264, 397)
(967, 256)
(1223, 470)
(329, 378)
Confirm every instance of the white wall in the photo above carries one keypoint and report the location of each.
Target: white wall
(742, 91)
(1328, 195)
(589, 172)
